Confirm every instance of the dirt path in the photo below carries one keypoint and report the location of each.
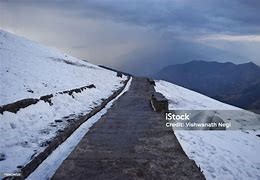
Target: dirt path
(129, 142)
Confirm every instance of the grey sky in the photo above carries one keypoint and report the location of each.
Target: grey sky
(120, 32)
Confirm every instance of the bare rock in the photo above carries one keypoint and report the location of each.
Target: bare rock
(2, 157)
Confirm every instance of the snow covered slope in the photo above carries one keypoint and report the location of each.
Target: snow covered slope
(27, 66)
(220, 154)
(30, 70)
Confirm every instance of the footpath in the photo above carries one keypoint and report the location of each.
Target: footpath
(129, 142)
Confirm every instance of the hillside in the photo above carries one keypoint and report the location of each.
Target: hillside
(29, 69)
(68, 87)
(230, 154)
(230, 83)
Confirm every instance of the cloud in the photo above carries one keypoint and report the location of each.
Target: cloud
(185, 16)
(108, 31)
(240, 38)
(190, 16)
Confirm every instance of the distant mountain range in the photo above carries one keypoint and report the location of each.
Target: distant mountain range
(238, 85)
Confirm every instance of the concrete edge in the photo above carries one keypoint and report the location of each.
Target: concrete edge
(23, 103)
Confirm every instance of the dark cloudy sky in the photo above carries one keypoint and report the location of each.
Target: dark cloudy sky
(140, 35)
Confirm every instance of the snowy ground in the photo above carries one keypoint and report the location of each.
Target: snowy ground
(48, 167)
(27, 66)
(27, 70)
(220, 154)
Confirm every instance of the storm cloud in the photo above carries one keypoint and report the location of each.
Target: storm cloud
(134, 33)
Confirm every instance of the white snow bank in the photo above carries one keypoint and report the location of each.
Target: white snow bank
(220, 154)
(26, 65)
(181, 98)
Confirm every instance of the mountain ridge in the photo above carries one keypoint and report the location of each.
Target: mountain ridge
(228, 82)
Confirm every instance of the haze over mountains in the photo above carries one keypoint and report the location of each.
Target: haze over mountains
(147, 61)
(238, 85)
